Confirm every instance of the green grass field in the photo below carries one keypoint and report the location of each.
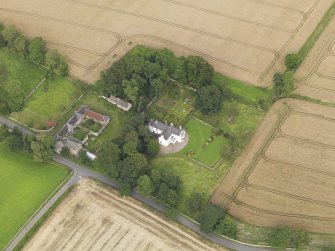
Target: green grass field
(14, 66)
(24, 186)
(49, 102)
(195, 178)
(199, 146)
(240, 91)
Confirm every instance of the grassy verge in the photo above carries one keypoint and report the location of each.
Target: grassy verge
(39, 223)
(25, 185)
(317, 32)
(243, 93)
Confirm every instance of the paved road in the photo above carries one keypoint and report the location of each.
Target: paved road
(80, 172)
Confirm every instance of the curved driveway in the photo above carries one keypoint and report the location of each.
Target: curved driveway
(80, 172)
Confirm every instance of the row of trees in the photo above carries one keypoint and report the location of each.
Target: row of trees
(34, 49)
(39, 146)
(138, 77)
(285, 237)
(12, 95)
(284, 82)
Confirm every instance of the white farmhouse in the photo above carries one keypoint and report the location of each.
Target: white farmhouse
(168, 134)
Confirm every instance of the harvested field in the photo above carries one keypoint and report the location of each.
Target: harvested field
(238, 41)
(95, 218)
(286, 175)
(316, 75)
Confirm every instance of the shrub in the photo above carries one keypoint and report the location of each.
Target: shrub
(280, 237)
(228, 227)
(292, 61)
(210, 218)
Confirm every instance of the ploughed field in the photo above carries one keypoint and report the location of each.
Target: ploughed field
(236, 39)
(286, 175)
(95, 218)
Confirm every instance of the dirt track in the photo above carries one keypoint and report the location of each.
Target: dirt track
(237, 40)
(286, 176)
(94, 218)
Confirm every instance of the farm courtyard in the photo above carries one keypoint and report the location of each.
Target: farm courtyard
(24, 186)
(96, 218)
(227, 33)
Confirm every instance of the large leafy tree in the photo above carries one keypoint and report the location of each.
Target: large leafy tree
(144, 186)
(37, 50)
(9, 34)
(209, 99)
(15, 95)
(57, 62)
(210, 218)
(199, 71)
(42, 147)
(20, 45)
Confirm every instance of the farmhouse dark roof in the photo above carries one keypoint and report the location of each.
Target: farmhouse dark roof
(63, 131)
(74, 119)
(167, 129)
(119, 102)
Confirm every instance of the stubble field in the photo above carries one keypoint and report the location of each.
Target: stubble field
(286, 175)
(237, 40)
(94, 218)
(316, 76)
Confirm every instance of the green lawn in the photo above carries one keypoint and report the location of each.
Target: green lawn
(114, 129)
(203, 146)
(49, 102)
(14, 66)
(24, 186)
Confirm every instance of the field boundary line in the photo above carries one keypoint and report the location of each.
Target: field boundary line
(68, 177)
(34, 89)
(232, 17)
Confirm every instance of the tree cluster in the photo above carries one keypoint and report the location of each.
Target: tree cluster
(215, 219)
(12, 96)
(34, 49)
(139, 77)
(40, 146)
(284, 237)
(283, 84)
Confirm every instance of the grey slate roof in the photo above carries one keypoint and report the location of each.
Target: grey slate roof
(167, 129)
(119, 102)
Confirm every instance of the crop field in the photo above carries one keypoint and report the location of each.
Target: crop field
(95, 218)
(316, 75)
(108, 29)
(286, 175)
(24, 186)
